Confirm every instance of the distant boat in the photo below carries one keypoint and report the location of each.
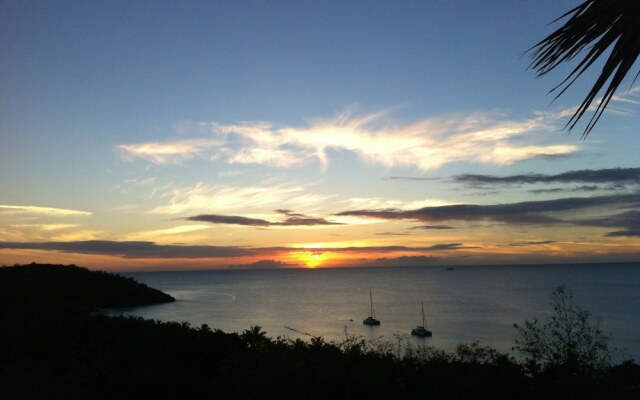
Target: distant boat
(371, 319)
(421, 330)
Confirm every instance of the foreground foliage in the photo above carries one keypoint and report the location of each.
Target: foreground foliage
(567, 337)
(59, 353)
(597, 29)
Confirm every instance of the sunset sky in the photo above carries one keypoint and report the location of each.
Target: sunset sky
(214, 134)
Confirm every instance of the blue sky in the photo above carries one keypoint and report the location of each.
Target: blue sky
(145, 114)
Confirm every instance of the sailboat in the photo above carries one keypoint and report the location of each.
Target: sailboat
(371, 319)
(421, 330)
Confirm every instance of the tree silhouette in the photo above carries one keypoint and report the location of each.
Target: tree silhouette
(254, 336)
(594, 26)
(567, 337)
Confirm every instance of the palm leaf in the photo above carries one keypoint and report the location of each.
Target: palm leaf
(593, 28)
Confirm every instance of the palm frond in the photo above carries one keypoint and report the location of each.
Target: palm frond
(593, 27)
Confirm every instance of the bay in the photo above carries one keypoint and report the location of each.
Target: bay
(463, 305)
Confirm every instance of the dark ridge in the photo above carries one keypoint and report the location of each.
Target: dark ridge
(51, 285)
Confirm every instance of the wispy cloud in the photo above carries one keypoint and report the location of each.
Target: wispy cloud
(532, 243)
(635, 232)
(172, 152)
(45, 227)
(133, 249)
(380, 203)
(425, 144)
(389, 249)
(203, 198)
(433, 227)
(145, 249)
(141, 182)
(229, 219)
(607, 176)
(581, 188)
(84, 234)
(615, 107)
(628, 220)
(37, 231)
(35, 210)
(529, 212)
(179, 230)
(291, 220)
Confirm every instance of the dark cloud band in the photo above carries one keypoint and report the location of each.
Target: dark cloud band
(133, 249)
(292, 219)
(602, 176)
(140, 249)
(528, 212)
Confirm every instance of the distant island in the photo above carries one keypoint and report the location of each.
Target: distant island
(36, 285)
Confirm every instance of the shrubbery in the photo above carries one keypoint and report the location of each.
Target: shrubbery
(49, 354)
(565, 338)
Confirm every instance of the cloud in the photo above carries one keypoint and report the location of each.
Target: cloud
(389, 249)
(204, 199)
(605, 176)
(48, 211)
(159, 233)
(425, 144)
(84, 234)
(582, 188)
(144, 249)
(45, 227)
(532, 242)
(133, 249)
(528, 212)
(377, 202)
(434, 227)
(614, 106)
(45, 231)
(629, 220)
(141, 182)
(292, 219)
(229, 219)
(167, 152)
(626, 232)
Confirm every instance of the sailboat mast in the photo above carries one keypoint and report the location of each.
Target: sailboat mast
(371, 302)
(424, 323)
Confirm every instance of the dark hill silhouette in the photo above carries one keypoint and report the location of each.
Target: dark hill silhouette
(69, 285)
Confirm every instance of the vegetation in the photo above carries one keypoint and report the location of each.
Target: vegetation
(53, 353)
(599, 27)
(565, 337)
(566, 349)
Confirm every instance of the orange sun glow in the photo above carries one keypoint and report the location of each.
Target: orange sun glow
(311, 259)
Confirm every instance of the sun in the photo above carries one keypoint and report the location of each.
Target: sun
(311, 259)
(314, 259)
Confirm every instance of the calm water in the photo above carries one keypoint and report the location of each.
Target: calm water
(464, 305)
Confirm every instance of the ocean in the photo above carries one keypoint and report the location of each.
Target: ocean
(463, 305)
